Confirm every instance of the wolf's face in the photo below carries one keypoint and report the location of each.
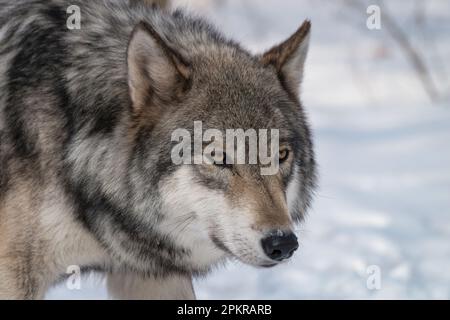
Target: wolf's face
(224, 207)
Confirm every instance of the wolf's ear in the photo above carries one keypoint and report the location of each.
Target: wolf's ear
(289, 57)
(157, 74)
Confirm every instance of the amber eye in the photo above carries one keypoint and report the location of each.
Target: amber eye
(284, 155)
(221, 160)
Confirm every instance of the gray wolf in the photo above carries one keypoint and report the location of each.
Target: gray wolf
(86, 176)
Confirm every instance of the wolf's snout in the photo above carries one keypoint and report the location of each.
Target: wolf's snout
(280, 246)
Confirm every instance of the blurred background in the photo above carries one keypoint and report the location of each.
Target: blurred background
(378, 99)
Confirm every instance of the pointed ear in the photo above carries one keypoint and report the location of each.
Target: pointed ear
(157, 74)
(289, 57)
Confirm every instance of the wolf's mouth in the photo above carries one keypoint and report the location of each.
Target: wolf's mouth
(219, 244)
(270, 265)
(224, 248)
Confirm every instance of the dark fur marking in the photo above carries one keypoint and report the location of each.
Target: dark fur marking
(146, 242)
(32, 68)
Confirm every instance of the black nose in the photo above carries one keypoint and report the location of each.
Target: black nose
(279, 246)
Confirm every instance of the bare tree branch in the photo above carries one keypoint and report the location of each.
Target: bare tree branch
(401, 38)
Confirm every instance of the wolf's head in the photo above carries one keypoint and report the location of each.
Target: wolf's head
(219, 209)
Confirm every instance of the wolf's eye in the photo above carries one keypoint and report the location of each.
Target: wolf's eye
(221, 160)
(284, 155)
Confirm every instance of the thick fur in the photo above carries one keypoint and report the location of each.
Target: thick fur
(86, 176)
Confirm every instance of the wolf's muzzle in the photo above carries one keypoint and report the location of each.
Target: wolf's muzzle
(279, 245)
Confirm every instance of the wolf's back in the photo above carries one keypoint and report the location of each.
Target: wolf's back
(46, 68)
(79, 75)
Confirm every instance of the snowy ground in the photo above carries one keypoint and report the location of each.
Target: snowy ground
(383, 150)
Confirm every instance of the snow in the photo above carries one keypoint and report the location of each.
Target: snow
(383, 151)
